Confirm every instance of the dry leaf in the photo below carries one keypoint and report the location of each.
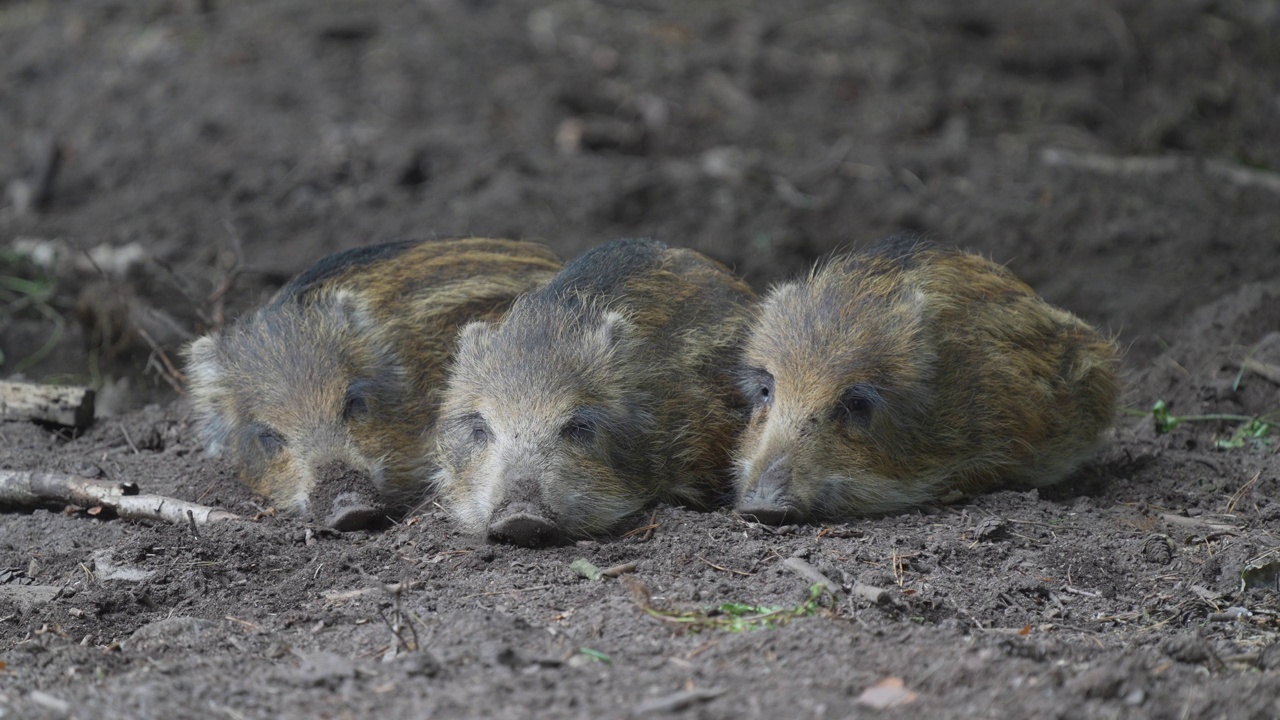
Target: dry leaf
(887, 693)
(1025, 631)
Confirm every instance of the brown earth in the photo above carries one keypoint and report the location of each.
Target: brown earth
(1119, 156)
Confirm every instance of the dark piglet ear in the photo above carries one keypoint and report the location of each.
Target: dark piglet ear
(858, 403)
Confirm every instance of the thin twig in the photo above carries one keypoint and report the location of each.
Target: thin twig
(812, 575)
(396, 629)
(1266, 370)
(722, 568)
(1239, 494)
(170, 373)
(641, 529)
(646, 529)
(505, 592)
(217, 299)
(128, 439)
(251, 625)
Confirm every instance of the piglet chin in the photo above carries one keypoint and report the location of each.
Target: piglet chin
(770, 514)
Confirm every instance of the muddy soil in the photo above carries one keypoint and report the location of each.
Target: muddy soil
(168, 163)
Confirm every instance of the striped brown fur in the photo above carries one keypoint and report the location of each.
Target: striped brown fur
(894, 377)
(345, 364)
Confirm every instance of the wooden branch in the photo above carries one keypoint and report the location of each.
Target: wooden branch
(1266, 370)
(61, 404)
(812, 575)
(24, 488)
(1166, 165)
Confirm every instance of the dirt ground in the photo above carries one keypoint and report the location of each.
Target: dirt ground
(167, 164)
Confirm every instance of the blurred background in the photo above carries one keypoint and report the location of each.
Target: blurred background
(167, 164)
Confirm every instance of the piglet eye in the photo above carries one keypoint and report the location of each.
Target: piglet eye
(470, 426)
(579, 430)
(269, 440)
(356, 406)
(758, 385)
(857, 405)
(356, 403)
(479, 430)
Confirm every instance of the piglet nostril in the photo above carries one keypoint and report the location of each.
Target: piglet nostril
(350, 511)
(769, 501)
(525, 530)
(522, 524)
(346, 499)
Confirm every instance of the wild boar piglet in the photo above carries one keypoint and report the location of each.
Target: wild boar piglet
(325, 399)
(607, 389)
(897, 376)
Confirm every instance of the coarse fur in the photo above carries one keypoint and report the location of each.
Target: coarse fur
(897, 376)
(603, 391)
(345, 364)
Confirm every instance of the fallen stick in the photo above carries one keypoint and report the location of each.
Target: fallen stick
(1129, 166)
(812, 575)
(1266, 370)
(870, 593)
(586, 569)
(60, 404)
(617, 570)
(25, 488)
(1198, 523)
(678, 701)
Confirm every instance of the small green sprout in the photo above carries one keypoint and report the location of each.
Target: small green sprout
(1255, 430)
(1164, 421)
(741, 617)
(596, 655)
(1251, 429)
